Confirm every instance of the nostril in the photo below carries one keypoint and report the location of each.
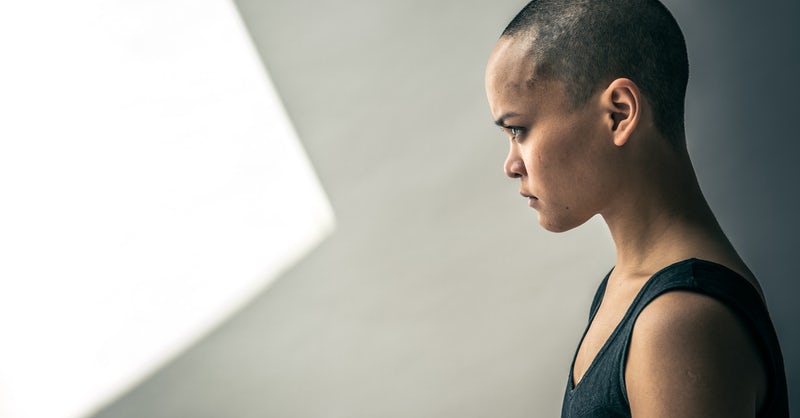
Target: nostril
(514, 169)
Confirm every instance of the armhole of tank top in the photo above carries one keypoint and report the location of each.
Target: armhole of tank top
(763, 338)
(660, 289)
(744, 300)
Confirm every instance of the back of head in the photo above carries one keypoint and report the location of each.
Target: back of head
(588, 43)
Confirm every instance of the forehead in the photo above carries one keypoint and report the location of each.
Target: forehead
(509, 65)
(511, 82)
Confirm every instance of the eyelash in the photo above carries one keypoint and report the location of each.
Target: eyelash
(515, 132)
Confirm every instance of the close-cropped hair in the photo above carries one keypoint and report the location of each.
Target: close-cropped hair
(588, 43)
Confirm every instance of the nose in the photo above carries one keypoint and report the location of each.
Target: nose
(514, 166)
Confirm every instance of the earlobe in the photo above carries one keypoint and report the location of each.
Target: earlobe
(624, 109)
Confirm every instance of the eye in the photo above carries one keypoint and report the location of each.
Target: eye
(515, 132)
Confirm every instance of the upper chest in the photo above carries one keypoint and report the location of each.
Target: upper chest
(615, 304)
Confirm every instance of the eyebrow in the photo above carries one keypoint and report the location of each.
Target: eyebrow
(502, 120)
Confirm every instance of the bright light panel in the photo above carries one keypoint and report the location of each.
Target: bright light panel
(150, 183)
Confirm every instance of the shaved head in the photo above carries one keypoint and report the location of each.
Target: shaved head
(588, 43)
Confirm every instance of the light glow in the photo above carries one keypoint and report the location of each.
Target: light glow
(151, 184)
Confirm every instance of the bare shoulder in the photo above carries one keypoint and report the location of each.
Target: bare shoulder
(690, 356)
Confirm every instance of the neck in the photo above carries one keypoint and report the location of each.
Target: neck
(661, 217)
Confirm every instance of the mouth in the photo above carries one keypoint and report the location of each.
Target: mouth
(532, 200)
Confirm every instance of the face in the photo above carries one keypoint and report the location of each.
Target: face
(563, 157)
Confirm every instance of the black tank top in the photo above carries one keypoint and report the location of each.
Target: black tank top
(601, 391)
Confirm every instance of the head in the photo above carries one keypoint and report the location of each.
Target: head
(588, 43)
(577, 85)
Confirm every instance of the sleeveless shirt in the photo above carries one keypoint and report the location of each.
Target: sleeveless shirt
(602, 393)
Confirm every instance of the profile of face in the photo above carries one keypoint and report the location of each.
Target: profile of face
(564, 157)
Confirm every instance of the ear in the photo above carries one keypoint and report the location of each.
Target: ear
(623, 103)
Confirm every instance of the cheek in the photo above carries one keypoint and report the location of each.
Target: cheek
(560, 157)
(564, 168)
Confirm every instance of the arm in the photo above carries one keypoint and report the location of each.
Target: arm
(690, 356)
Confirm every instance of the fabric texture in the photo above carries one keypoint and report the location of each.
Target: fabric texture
(601, 391)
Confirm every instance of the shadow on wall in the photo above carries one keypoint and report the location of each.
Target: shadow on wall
(741, 110)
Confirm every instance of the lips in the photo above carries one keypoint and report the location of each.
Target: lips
(533, 201)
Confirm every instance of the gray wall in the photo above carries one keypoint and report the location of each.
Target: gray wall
(438, 295)
(742, 114)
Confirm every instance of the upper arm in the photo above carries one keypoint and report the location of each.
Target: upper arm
(690, 356)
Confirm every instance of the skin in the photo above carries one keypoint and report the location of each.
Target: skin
(689, 355)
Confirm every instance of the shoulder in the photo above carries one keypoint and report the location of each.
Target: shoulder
(690, 355)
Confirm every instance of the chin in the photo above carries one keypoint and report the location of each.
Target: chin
(559, 225)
